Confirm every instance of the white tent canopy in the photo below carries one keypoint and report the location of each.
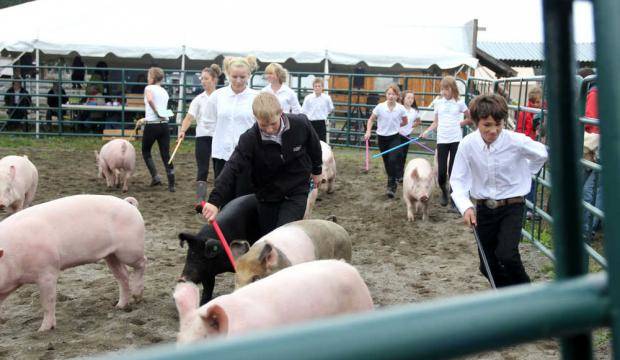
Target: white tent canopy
(272, 30)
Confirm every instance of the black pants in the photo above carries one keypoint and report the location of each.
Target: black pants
(392, 161)
(243, 181)
(319, 127)
(275, 214)
(161, 134)
(500, 231)
(203, 155)
(443, 150)
(404, 151)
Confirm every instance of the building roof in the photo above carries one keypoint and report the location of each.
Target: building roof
(524, 52)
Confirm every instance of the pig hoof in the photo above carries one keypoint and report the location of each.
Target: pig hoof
(137, 298)
(46, 328)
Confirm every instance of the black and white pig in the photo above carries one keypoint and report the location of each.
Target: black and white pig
(205, 256)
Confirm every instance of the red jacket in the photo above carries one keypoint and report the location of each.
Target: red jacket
(592, 110)
(525, 123)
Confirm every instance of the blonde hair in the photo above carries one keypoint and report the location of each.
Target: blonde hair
(450, 83)
(156, 73)
(535, 94)
(395, 88)
(317, 80)
(214, 71)
(248, 62)
(266, 106)
(278, 70)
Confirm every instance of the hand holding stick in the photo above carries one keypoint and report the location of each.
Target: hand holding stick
(179, 141)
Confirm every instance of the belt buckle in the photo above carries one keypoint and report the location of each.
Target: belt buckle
(490, 203)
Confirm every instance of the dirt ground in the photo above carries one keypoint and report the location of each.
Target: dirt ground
(402, 262)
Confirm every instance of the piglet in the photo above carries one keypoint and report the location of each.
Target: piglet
(328, 178)
(18, 182)
(36, 244)
(290, 244)
(116, 162)
(418, 185)
(303, 292)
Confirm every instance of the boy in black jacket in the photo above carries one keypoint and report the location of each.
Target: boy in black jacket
(282, 152)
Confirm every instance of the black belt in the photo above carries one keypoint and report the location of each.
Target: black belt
(493, 204)
(156, 122)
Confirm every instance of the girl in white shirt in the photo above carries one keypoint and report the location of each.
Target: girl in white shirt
(276, 75)
(317, 106)
(205, 127)
(156, 127)
(448, 111)
(413, 119)
(390, 116)
(231, 107)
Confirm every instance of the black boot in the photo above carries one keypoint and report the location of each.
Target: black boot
(201, 195)
(150, 165)
(444, 195)
(391, 188)
(170, 175)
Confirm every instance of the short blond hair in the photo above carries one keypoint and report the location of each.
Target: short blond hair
(266, 106)
(156, 73)
(248, 62)
(277, 69)
(534, 94)
(394, 87)
(450, 83)
(318, 80)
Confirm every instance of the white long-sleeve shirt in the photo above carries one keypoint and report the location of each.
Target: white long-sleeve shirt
(287, 98)
(233, 115)
(317, 107)
(497, 171)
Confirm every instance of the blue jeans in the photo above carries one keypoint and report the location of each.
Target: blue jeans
(592, 195)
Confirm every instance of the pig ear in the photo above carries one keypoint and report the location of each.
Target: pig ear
(12, 172)
(215, 319)
(186, 237)
(268, 257)
(239, 247)
(186, 297)
(414, 174)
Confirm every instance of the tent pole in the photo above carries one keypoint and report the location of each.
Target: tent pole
(181, 90)
(37, 78)
(326, 87)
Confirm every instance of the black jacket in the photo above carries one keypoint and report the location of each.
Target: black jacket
(52, 98)
(276, 171)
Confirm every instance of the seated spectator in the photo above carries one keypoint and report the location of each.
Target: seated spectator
(17, 100)
(53, 102)
(94, 98)
(138, 88)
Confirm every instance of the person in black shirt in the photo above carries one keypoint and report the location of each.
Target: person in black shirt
(282, 152)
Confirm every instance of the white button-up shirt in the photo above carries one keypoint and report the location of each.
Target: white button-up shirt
(160, 100)
(287, 97)
(412, 115)
(497, 171)
(388, 121)
(317, 107)
(449, 116)
(233, 115)
(205, 126)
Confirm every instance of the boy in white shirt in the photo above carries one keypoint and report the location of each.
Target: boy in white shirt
(494, 167)
(317, 106)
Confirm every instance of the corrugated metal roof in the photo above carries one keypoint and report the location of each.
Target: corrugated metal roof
(522, 51)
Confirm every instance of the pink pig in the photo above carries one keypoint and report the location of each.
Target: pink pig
(328, 178)
(38, 242)
(116, 162)
(303, 292)
(18, 182)
(418, 185)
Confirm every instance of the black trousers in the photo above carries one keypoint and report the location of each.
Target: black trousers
(275, 214)
(243, 181)
(404, 151)
(392, 161)
(499, 231)
(203, 155)
(443, 150)
(319, 127)
(161, 134)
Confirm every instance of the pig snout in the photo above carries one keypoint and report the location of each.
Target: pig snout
(424, 198)
(323, 181)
